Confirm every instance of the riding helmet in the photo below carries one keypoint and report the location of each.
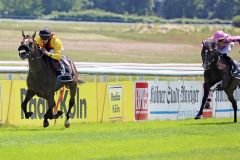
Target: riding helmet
(219, 35)
(45, 32)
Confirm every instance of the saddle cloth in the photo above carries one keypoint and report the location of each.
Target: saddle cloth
(65, 73)
(236, 72)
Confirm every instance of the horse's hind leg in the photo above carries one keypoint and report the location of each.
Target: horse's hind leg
(73, 90)
(49, 113)
(216, 86)
(234, 103)
(29, 95)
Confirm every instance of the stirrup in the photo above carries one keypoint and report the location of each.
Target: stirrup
(65, 78)
(234, 71)
(235, 74)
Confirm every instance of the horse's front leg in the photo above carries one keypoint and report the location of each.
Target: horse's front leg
(208, 92)
(206, 88)
(29, 95)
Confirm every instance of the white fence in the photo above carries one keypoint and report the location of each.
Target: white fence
(93, 68)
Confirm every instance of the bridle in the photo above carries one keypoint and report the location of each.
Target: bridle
(209, 53)
(26, 49)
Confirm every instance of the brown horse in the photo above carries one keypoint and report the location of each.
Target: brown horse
(217, 76)
(42, 81)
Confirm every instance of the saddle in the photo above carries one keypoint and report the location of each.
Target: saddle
(64, 71)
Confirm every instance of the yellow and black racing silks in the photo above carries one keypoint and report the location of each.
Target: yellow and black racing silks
(53, 43)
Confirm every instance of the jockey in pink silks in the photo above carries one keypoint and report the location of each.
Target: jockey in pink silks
(225, 43)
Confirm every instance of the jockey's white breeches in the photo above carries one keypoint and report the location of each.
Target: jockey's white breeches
(226, 50)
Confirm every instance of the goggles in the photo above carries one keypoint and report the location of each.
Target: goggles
(44, 37)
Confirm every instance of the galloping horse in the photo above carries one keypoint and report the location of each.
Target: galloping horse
(42, 81)
(217, 76)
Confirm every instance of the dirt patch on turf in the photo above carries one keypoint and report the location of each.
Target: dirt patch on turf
(119, 51)
(125, 47)
(107, 46)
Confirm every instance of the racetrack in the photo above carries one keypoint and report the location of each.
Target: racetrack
(185, 139)
(188, 139)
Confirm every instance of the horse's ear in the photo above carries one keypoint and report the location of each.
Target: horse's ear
(34, 34)
(23, 34)
(203, 43)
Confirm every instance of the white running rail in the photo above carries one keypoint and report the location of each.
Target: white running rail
(172, 69)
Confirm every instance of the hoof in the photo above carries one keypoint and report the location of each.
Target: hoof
(209, 100)
(57, 115)
(198, 116)
(49, 116)
(81, 81)
(28, 114)
(67, 124)
(45, 124)
(207, 105)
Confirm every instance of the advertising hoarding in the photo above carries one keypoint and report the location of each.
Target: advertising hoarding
(141, 101)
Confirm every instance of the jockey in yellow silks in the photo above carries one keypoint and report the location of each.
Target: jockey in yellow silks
(50, 44)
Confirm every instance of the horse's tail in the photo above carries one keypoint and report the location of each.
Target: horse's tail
(81, 81)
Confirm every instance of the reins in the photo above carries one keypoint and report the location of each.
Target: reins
(30, 54)
(33, 58)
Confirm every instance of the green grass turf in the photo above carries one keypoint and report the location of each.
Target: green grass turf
(153, 140)
(149, 140)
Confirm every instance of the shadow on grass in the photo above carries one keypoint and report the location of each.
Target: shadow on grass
(27, 128)
(210, 123)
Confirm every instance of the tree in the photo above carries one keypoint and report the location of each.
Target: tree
(209, 9)
(224, 9)
(57, 5)
(1, 7)
(116, 6)
(172, 9)
(201, 11)
(22, 7)
(8, 7)
(27, 7)
(82, 5)
(140, 7)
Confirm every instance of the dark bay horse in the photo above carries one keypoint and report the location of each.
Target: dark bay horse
(41, 79)
(217, 76)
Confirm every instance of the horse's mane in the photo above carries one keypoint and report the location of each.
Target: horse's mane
(45, 57)
(209, 43)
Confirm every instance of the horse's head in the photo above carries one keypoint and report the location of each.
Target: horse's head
(208, 53)
(27, 46)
